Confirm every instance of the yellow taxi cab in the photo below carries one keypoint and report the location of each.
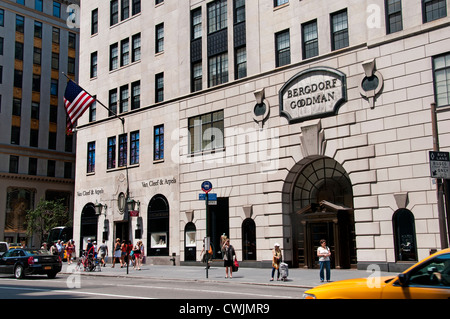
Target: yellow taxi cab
(428, 279)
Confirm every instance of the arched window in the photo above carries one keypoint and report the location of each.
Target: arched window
(190, 244)
(158, 226)
(89, 225)
(404, 235)
(249, 239)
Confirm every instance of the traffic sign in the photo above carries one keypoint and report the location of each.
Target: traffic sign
(211, 196)
(206, 186)
(440, 165)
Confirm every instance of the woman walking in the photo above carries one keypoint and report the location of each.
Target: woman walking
(323, 252)
(228, 254)
(117, 253)
(277, 257)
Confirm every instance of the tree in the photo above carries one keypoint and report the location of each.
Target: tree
(46, 215)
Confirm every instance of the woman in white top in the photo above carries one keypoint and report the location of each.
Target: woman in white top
(323, 252)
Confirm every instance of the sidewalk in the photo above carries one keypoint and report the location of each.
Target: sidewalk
(301, 278)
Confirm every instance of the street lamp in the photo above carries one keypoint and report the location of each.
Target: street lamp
(99, 207)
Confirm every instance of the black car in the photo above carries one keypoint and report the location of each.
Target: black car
(22, 262)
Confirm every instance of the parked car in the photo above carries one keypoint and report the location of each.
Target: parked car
(4, 247)
(428, 279)
(22, 262)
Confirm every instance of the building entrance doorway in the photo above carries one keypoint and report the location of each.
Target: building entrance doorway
(322, 200)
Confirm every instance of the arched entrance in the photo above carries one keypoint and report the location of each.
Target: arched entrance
(322, 208)
(158, 226)
(89, 225)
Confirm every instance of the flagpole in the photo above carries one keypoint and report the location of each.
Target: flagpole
(113, 113)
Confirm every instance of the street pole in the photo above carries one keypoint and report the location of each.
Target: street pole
(207, 242)
(439, 184)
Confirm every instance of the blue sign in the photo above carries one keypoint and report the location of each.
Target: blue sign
(211, 196)
(206, 186)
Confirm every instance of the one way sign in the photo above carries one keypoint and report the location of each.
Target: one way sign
(440, 165)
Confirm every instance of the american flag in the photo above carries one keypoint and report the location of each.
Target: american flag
(76, 101)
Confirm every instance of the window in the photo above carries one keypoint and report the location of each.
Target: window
(196, 24)
(32, 166)
(217, 16)
(158, 151)
(310, 40)
(67, 170)
(123, 145)
(112, 102)
(2, 17)
(136, 47)
(159, 87)
(34, 138)
(53, 114)
(94, 61)
(218, 69)
(206, 132)
(54, 87)
(158, 2)
(197, 77)
(35, 110)
(20, 23)
(72, 40)
(114, 12)
(18, 53)
(283, 48)
(71, 65)
(124, 95)
(441, 66)
(135, 95)
(55, 60)
(18, 77)
(125, 52)
(433, 273)
(55, 35)
(159, 38)
(91, 157)
(15, 135)
(38, 5)
(17, 107)
(36, 83)
(51, 168)
(134, 148)
(94, 21)
(239, 11)
(394, 21)
(113, 56)
(125, 10)
(404, 235)
(339, 30)
(241, 63)
(111, 160)
(13, 164)
(136, 8)
(56, 9)
(433, 10)
(38, 29)
(277, 3)
(52, 140)
(93, 111)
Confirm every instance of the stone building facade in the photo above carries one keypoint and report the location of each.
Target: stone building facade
(309, 121)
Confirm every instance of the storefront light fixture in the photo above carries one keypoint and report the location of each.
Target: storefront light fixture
(132, 205)
(99, 207)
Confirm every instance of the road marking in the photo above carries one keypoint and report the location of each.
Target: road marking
(73, 291)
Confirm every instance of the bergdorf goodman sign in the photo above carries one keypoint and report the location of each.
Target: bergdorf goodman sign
(313, 93)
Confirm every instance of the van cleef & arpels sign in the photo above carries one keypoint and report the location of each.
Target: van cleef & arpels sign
(313, 93)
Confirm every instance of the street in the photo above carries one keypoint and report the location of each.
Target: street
(98, 287)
